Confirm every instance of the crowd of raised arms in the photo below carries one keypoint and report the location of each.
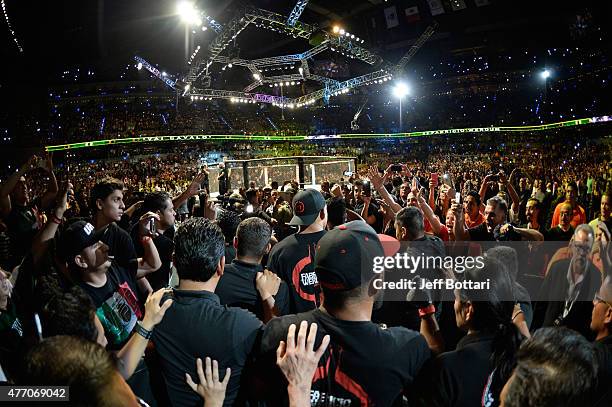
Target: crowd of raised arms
(127, 281)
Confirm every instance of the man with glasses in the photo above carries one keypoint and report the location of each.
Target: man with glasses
(570, 285)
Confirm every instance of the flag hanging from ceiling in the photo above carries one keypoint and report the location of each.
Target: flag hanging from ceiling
(412, 14)
(457, 5)
(436, 7)
(391, 17)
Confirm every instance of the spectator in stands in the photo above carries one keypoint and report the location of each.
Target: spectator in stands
(228, 221)
(556, 367)
(159, 203)
(336, 212)
(570, 285)
(292, 259)
(564, 230)
(605, 210)
(578, 215)
(473, 216)
(22, 215)
(533, 212)
(238, 287)
(108, 208)
(199, 258)
(365, 364)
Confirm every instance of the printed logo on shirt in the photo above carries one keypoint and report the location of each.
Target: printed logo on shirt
(119, 314)
(304, 278)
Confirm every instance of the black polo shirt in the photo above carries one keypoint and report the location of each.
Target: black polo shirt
(197, 326)
(237, 288)
(292, 259)
(363, 365)
(480, 233)
(457, 378)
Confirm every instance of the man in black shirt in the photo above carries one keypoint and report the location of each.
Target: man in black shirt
(365, 364)
(292, 259)
(237, 287)
(601, 324)
(159, 203)
(197, 325)
(108, 208)
(564, 231)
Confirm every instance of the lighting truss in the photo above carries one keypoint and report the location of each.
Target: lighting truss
(213, 24)
(279, 23)
(155, 72)
(296, 12)
(229, 94)
(416, 46)
(345, 44)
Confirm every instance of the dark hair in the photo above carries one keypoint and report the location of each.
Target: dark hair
(336, 211)
(155, 201)
(411, 218)
(537, 205)
(102, 190)
(498, 202)
(69, 313)
(336, 299)
(572, 185)
(493, 314)
(250, 194)
(86, 367)
(228, 221)
(253, 237)
(476, 197)
(555, 367)
(199, 245)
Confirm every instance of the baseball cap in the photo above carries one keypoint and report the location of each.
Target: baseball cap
(306, 207)
(76, 237)
(345, 255)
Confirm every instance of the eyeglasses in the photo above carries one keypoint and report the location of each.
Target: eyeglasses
(598, 299)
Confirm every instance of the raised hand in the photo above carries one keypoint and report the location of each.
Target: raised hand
(154, 313)
(210, 388)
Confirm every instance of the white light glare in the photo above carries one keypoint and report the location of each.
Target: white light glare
(545, 74)
(400, 90)
(139, 66)
(256, 76)
(188, 13)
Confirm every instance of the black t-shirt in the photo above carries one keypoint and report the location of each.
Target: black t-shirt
(557, 234)
(292, 260)
(197, 326)
(457, 378)
(165, 247)
(237, 288)
(372, 211)
(118, 304)
(480, 233)
(23, 225)
(603, 347)
(363, 365)
(121, 246)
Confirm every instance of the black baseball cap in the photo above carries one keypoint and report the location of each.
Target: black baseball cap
(306, 207)
(76, 237)
(345, 255)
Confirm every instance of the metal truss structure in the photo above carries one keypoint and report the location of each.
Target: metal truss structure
(155, 72)
(296, 12)
(201, 61)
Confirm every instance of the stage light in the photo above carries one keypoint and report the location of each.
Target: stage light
(400, 90)
(293, 83)
(256, 76)
(286, 83)
(164, 74)
(301, 71)
(204, 28)
(230, 65)
(545, 74)
(188, 13)
(352, 36)
(276, 85)
(336, 29)
(139, 66)
(341, 31)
